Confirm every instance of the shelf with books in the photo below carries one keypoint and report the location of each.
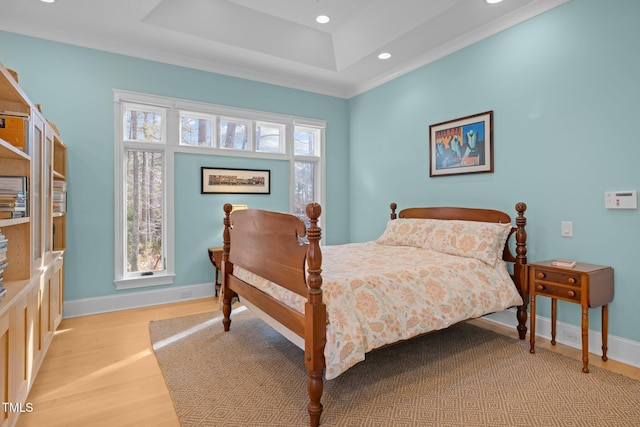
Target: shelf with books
(59, 202)
(14, 197)
(59, 197)
(14, 162)
(15, 169)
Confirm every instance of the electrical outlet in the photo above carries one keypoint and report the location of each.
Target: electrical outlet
(185, 294)
(571, 336)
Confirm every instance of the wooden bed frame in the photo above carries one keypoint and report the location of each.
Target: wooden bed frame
(277, 246)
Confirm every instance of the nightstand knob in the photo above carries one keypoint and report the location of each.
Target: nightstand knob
(572, 281)
(541, 275)
(540, 287)
(572, 293)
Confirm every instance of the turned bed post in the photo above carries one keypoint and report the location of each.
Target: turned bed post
(226, 246)
(519, 269)
(315, 318)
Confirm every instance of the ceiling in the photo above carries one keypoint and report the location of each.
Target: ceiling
(276, 41)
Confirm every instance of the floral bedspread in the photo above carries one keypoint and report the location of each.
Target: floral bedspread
(377, 295)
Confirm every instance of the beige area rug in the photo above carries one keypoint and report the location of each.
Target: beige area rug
(463, 376)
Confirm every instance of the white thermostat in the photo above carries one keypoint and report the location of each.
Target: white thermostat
(621, 199)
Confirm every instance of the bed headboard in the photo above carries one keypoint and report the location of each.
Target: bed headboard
(476, 214)
(519, 259)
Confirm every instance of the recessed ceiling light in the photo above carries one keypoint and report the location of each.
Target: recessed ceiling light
(48, 1)
(384, 55)
(322, 19)
(493, 1)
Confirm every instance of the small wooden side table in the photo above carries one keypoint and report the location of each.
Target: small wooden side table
(585, 284)
(215, 256)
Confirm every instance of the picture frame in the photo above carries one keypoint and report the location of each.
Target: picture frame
(235, 181)
(461, 146)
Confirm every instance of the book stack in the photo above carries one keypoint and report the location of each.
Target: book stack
(3, 262)
(13, 197)
(59, 196)
(566, 263)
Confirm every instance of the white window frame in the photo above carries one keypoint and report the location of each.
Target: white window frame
(173, 109)
(317, 157)
(241, 121)
(282, 139)
(124, 280)
(199, 116)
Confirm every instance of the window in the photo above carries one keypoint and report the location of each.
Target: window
(141, 200)
(195, 130)
(304, 179)
(306, 169)
(269, 138)
(233, 134)
(142, 125)
(151, 129)
(305, 141)
(144, 209)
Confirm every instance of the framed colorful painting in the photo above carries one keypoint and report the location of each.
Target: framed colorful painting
(461, 146)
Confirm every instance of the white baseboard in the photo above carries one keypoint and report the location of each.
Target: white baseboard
(125, 301)
(620, 349)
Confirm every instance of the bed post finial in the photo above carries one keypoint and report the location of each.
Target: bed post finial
(315, 317)
(314, 256)
(226, 246)
(226, 239)
(521, 234)
(393, 207)
(519, 268)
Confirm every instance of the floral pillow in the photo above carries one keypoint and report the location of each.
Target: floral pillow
(471, 239)
(405, 232)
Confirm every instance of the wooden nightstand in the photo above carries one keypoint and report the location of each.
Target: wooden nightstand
(585, 284)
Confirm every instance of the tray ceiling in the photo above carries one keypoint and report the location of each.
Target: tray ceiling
(276, 41)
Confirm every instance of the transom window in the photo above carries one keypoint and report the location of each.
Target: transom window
(270, 138)
(196, 129)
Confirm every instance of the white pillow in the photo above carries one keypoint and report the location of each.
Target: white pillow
(405, 232)
(471, 239)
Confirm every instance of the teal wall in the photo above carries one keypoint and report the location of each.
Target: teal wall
(564, 90)
(75, 88)
(563, 87)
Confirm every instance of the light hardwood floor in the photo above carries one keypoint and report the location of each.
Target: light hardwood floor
(101, 371)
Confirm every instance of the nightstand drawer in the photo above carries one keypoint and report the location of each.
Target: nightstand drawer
(558, 291)
(558, 277)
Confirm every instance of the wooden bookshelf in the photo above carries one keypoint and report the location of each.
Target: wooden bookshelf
(31, 307)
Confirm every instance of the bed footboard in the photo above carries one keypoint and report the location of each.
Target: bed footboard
(272, 245)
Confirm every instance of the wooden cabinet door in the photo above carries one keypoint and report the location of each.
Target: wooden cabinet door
(21, 346)
(5, 345)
